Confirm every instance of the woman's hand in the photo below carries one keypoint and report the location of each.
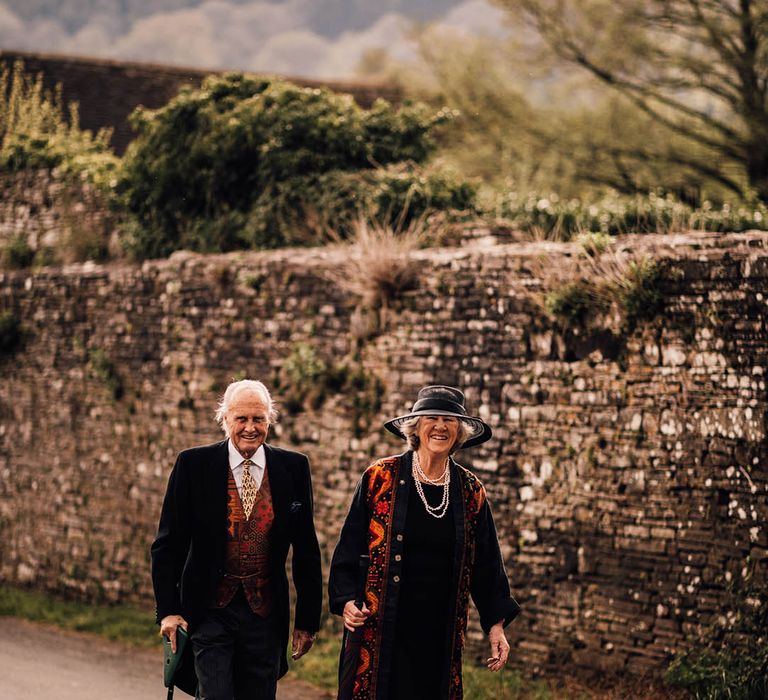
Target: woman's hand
(353, 616)
(168, 627)
(499, 647)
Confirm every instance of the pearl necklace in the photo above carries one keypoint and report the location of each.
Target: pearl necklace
(445, 479)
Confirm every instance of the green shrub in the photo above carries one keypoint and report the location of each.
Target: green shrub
(36, 131)
(10, 332)
(104, 370)
(595, 243)
(726, 674)
(615, 214)
(399, 189)
(79, 240)
(303, 376)
(17, 253)
(730, 659)
(307, 381)
(729, 217)
(638, 292)
(252, 163)
(572, 303)
(595, 289)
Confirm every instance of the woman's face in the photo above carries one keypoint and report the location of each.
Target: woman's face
(438, 433)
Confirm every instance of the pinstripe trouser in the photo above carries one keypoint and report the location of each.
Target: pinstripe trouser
(237, 654)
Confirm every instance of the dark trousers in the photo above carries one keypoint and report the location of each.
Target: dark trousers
(237, 654)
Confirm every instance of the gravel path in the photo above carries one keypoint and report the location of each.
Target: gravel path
(41, 662)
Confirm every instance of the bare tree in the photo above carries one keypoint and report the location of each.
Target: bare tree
(698, 68)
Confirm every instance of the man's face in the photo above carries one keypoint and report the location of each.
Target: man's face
(247, 423)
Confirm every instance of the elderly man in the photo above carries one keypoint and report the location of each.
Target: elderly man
(230, 513)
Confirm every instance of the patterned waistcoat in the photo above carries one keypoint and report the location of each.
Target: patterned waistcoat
(247, 555)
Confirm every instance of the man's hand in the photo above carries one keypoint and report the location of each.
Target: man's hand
(353, 616)
(301, 644)
(168, 627)
(499, 647)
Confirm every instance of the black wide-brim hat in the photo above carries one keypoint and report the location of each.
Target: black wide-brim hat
(439, 400)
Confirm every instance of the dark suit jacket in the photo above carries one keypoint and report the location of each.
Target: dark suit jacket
(189, 551)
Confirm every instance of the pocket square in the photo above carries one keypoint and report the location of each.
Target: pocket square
(295, 507)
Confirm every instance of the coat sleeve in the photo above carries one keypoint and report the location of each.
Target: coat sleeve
(171, 546)
(490, 586)
(306, 566)
(353, 541)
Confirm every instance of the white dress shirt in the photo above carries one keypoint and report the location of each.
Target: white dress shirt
(236, 460)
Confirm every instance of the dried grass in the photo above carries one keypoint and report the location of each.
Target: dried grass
(599, 285)
(378, 264)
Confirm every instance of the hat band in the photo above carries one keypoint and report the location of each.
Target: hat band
(423, 406)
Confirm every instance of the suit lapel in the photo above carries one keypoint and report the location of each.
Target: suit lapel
(220, 480)
(280, 484)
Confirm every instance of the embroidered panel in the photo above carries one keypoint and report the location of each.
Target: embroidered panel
(381, 489)
(380, 499)
(474, 497)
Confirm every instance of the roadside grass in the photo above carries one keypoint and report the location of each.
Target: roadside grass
(122, 623)
(320, 668)
(509, 684)
(135, 626)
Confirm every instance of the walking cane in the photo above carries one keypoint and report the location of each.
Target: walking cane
(352, 640)
(178, 669)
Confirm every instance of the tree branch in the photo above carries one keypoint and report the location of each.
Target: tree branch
(722, 43)
(640, 93)
(676, 158)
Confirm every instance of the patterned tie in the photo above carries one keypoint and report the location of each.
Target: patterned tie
(249, 488)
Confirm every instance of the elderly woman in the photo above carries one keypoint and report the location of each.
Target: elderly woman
(426, 524)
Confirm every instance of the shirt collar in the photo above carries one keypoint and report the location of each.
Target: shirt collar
(236, 459)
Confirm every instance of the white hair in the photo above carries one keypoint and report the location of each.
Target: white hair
(235, 389)
(410, 429)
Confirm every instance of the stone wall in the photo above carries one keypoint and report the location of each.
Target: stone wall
(628, 485)
(56, 218)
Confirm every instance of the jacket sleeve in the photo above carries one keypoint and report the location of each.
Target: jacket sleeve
(306, 567)
(353, 541)
(490, 586)
(171, 546)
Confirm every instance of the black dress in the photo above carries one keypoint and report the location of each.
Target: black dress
(422, 627)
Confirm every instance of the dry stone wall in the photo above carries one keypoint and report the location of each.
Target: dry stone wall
(628, 485)
(55, 217)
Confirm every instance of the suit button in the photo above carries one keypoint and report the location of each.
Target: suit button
(399, 538)
(397, 557)
(396, 579)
